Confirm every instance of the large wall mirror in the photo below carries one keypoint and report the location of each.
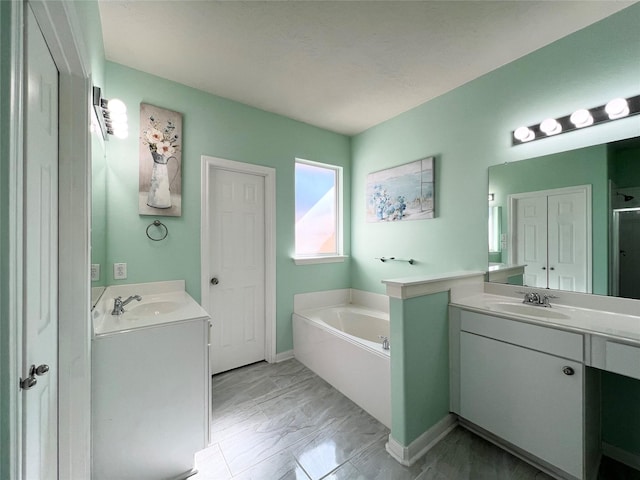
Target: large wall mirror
(570, 220)
(98, 215)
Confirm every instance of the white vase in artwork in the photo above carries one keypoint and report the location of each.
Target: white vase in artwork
(159, 193)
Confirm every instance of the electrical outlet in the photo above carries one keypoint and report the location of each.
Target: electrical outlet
(119, 271)
(95, 272)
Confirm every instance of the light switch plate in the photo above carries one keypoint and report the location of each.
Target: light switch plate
(95, 272)
(119, 271)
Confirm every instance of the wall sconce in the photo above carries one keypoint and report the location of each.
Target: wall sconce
(615, 109)
(111, 115)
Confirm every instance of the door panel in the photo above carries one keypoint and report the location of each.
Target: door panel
(40, 321)
(237, 301)
(532, 239)
(568, 242)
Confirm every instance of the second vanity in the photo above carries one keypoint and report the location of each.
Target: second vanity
(527, 377)
(151, 383)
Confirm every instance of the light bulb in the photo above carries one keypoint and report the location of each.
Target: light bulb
(119, 117)
(550, 126)
(617, 108)
(581, 118)
(121, 133)
(523, 134)
(117, 106)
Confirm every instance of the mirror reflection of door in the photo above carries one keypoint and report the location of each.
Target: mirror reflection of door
(552, 232)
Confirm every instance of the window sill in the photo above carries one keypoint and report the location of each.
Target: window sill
(323, 259)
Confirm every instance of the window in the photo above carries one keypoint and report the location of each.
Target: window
(318, 193)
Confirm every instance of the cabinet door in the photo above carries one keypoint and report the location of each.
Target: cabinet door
(525, 398)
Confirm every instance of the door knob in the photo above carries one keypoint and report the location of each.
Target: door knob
(568, 370)
(28, 383)
(214, 281)
(552, 268)
(31, 380)
(544, 268)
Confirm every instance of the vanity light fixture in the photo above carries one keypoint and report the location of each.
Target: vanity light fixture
(613, 110)
(111, 115)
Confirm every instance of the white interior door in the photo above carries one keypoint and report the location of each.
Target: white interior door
(567, 250)
(40, 323)
(237, 262)
(531, 235)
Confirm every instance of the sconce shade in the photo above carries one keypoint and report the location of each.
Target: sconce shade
(111, 115)
(550, 126)
(581, 118)
(617, 108)
(524, 134)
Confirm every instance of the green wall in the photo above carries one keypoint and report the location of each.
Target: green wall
(221, 128)
(625, 167)
(419, 364)
(585, 166)
(469, 130)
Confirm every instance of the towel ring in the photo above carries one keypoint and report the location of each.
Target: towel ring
(158, 223)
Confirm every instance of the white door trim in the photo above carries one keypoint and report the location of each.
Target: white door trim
(61, 29)
(269, 174)
(512, 221)
(12, 343)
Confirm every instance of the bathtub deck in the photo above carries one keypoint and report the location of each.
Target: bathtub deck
(281, 421)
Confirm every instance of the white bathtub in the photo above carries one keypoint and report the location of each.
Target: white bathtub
(341, 344)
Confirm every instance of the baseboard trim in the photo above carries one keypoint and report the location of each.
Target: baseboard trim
(410, 454)
(282, 356)
(623, 456)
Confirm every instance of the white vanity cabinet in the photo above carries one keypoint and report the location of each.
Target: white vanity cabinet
(524, 386)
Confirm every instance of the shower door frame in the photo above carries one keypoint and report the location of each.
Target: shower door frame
(614, 287)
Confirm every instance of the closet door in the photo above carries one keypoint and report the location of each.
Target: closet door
(531, 239)
(567, 250)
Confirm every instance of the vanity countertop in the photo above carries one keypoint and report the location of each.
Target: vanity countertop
(161, 303)
(565, 317)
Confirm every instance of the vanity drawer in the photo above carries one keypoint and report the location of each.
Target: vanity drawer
(544, 339)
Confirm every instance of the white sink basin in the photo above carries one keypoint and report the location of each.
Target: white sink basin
(528, 310)
(153, 308)
(161, 303)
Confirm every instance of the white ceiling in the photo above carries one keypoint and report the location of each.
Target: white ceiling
(340, 65)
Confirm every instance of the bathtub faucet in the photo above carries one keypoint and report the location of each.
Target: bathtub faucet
(385, 342)
(119, 304)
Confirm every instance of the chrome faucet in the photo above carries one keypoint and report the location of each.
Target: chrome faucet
(119, 304)
(534, 298)
(385, 342)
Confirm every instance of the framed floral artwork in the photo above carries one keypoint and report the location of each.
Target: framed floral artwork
(405, 192)
(160, 180)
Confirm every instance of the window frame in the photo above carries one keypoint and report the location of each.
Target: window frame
(334, 257)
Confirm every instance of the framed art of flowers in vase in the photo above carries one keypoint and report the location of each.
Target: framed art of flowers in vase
(160, 180)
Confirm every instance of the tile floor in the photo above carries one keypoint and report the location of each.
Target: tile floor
(281, 422)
